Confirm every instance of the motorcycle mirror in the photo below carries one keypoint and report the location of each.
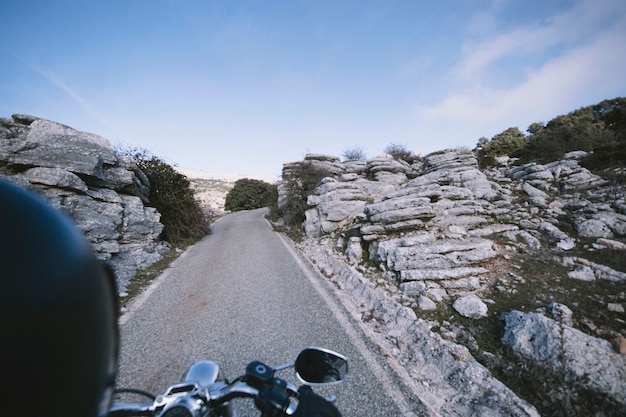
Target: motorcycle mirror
(316, 366)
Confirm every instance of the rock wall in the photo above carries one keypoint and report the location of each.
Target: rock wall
(435, 232)
(80, 174)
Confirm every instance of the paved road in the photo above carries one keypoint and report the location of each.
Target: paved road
(242, 294)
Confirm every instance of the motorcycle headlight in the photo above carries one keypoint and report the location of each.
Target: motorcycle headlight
(184, 406)
(177, 411)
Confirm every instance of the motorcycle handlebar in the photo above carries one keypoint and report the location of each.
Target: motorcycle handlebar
(130, 409)
(187, 395)
(204, 392)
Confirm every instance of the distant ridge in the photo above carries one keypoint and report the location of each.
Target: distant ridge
(205, 175)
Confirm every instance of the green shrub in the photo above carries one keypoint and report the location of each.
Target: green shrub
(299, 184)
(612, 152)
(182, 216)
(250, 194)
(599, 127)
(507, 143)
(486, 161)
(603, 157)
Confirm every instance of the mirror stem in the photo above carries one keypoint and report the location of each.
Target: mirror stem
(285, 366)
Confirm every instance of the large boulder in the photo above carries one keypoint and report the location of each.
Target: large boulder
(471, 306)
(585, 360)
(53, 145)
(80, 174)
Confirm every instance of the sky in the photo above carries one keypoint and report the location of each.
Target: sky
(242, 87)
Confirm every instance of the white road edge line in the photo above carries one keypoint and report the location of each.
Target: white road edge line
(143, 296)
(376, 369)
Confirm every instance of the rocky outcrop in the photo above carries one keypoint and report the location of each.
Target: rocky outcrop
(339, 201)
(430, 226)
(422, 223)
(441, 232)
(80, 174)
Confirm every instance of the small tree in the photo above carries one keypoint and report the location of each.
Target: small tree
(535, 127)
(354, 154)
(510, 142)
(611, 152)
(400, 153)
(481, 142)
(250, 194)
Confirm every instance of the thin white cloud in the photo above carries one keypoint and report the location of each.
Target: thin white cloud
(589, 68)
(572, 27)
(73, 94)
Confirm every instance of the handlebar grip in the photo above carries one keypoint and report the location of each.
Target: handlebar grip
(130, 409)
(313, 405)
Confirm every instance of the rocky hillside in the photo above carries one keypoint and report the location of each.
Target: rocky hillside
(463, 275)
(210, 189)
(80, 174)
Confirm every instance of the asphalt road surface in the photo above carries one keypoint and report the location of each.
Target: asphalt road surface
(243, 294)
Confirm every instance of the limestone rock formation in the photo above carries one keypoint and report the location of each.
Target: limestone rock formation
(80, 174)
(400, 238)
(433, 222)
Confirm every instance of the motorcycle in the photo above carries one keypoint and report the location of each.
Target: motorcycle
(205, 392)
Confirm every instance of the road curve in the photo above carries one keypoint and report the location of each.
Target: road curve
(243, 294)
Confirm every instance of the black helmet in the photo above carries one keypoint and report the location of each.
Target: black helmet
(58, 338)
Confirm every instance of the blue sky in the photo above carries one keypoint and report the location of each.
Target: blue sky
(241, 87)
